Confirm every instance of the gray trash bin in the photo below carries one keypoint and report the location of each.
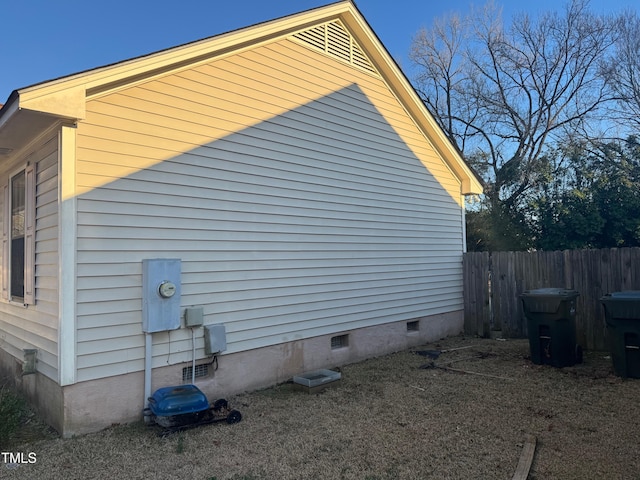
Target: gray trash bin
(551, 324)
(622, 316)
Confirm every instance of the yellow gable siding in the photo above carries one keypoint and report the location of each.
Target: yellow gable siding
(292, 186)
(289, 84)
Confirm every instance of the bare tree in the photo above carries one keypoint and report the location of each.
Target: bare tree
(504, 95)
(623, 73)
(442, 76)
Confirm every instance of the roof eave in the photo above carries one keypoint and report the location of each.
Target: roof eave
(76, 88)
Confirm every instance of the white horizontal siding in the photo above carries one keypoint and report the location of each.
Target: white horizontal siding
(301, 200)
(37, 326)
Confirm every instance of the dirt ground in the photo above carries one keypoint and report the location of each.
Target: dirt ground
(393, 417)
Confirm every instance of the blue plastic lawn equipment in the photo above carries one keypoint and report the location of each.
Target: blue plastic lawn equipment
(185, 406)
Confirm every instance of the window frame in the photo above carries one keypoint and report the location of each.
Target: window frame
(28, 297)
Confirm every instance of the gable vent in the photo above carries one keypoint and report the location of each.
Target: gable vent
(335, 40)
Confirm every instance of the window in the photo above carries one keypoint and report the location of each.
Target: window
(18, 237)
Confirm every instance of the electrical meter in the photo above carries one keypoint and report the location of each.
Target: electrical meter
(167, 289)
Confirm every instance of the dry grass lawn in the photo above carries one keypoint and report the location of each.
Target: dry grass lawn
(388, 419)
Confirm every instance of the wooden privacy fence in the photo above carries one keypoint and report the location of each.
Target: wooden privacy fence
(494, 281)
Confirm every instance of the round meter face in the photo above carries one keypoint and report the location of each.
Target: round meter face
(167, 289)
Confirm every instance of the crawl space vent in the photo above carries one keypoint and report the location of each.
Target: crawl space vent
(335, 40)
(201, 371)
(339, 341)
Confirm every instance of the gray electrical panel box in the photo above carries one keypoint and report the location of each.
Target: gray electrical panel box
(193, 316)
(215, 339)
(160, 294)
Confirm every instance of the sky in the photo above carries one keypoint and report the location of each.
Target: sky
(45, 39)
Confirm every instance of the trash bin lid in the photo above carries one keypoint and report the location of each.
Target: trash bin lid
(627, 296)
(552, 292)
(632, 294)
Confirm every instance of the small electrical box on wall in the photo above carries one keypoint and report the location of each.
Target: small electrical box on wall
(193, 317)
(215, 339)
(161, 294)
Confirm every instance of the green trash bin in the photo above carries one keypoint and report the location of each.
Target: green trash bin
(551, 325)
(622, 316)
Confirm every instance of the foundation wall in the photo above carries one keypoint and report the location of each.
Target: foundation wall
(44, 395)
(93, 405)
